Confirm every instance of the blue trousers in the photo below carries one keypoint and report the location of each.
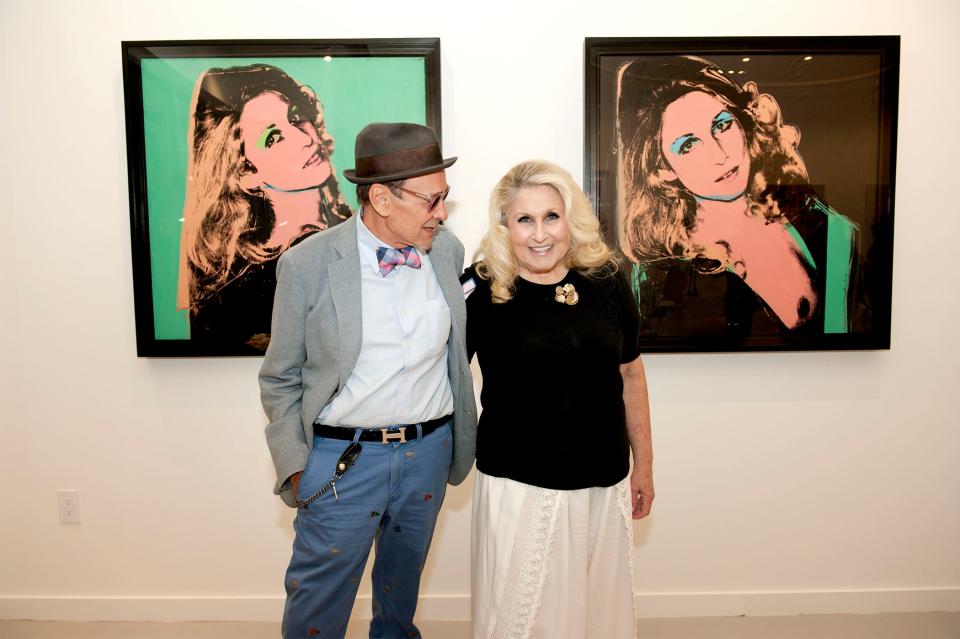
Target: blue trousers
(391, 497)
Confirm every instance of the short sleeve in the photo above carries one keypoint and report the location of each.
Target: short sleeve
(628, 315)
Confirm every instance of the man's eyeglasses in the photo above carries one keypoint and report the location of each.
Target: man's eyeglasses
(433, 200)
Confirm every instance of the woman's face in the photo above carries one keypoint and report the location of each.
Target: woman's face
(539, 235)
(704, 147)
(284, 148)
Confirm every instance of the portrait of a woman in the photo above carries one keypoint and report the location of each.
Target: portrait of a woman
(727, 237)
(259, 180)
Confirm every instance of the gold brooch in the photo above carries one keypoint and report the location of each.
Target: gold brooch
(566, 294)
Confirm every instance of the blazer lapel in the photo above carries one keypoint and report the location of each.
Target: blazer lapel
(347, 296)
(442, 259)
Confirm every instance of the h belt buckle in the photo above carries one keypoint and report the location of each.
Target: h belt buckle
(399, 436)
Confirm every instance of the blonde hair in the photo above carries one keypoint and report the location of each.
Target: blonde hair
(588, 253)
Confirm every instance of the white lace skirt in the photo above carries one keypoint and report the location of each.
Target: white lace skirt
(551, 564)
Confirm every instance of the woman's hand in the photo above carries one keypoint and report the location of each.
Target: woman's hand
(641, 491)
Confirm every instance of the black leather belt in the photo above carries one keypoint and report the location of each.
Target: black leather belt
(396, 433)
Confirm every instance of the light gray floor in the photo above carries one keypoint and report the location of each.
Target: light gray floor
(932, 625)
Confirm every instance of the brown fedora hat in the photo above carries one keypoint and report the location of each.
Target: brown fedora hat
(388, 151)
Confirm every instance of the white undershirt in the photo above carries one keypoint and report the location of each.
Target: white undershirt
(401, 375)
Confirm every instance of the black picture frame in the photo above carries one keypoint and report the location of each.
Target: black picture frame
(842, 94)
(344, 74)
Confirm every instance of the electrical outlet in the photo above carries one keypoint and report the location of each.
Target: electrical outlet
(69, 506)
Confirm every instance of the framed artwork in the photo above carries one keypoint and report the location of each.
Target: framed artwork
(235, 152)
(749, 183)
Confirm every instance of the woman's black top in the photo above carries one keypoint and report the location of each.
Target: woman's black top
(553, 413)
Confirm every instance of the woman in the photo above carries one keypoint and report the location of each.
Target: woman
(727, 236)
(259, 179)
(564, 400)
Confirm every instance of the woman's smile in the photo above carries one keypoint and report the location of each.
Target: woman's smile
(732, 173)
(316, 157)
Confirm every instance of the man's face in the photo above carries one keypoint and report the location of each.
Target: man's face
(407, 220)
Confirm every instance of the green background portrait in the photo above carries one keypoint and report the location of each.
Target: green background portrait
(354, 92)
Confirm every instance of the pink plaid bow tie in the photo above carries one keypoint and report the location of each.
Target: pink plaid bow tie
(390, 258)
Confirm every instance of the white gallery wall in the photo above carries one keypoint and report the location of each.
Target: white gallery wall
(800, 482)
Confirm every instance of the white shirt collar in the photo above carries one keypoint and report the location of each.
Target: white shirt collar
(368, 243)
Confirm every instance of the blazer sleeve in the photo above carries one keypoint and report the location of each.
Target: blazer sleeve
(281, 383)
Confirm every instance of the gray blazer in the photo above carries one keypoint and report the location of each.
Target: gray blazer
(316, 338)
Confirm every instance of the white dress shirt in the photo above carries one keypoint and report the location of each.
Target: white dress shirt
(401, 375)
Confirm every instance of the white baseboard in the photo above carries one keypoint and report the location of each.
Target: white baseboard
(763, 604)
(457, 607)
(142, 608)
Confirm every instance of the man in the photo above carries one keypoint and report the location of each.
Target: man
(368, 348)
